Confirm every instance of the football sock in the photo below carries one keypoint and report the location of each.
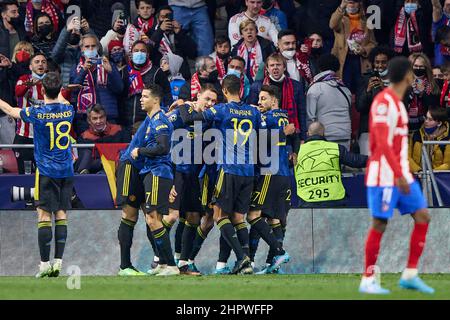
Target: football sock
(267, 234)
(45, 239)
(242, 234)
(187, 241)
(372, 249)
(162, 241)
(60, 237)
(200, 237)
(154, 247)
(179, 234)
(279, 233)
(253, 242)
(417, 244)
(224, 251)
(229, 234)
(125, 235)
(168, 225)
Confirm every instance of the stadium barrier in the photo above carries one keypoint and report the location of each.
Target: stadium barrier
(319, 241)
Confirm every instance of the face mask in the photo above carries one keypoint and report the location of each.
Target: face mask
(74, 39)
(45, 30)
(22, 56)
(36, 1)
(353, 10)
(36, 76)
(15, 21)
(117, 57)
(279, 80)
(410, 7)
(234, 72)
(223, 56)
(440, 82)
(383, 73)
(139, 58)
(316, 51)
(213, 76)
(90, 53)
(430, 130)
(288, 54)
(420, 72)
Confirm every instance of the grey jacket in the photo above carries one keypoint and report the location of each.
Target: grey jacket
(327, 104)
(191, 4)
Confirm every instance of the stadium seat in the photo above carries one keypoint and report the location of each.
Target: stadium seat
(9, 161)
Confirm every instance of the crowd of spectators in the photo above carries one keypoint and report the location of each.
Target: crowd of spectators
(328, 57)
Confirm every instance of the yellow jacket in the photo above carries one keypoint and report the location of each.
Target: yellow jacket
(439, 155)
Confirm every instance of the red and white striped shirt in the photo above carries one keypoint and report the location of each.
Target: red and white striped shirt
(27, 97)
(388, 141)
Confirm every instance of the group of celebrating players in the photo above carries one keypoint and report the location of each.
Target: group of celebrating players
(227, 191)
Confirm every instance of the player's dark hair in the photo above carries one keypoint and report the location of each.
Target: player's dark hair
(273, 91)
(232, 84)
(138, 3)
(388, 52)
(4, 5)
(398, 68)
(438, 114)
(286, 32)
(209, 87)
(52, 84)
(238, 58)
(155, 91)
(221, 40)
(98, 108)
(328, 62)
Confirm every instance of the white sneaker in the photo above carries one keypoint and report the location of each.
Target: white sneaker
(371, 285)
(57, 266)
(45, 270)
(157, 270)
(169, 271)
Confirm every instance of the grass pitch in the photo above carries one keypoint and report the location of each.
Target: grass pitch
(270, 287)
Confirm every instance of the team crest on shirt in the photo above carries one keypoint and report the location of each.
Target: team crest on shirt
(132, 197)
(262, 29)
(382, 109)
(173, 118)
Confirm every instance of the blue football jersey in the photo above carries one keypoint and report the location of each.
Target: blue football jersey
(277, 120)
(238, 123)
(160, 166)
(52, 143)
(137, 141)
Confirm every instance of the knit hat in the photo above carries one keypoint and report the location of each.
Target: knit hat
(114, 43)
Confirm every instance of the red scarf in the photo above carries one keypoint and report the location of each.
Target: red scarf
(49, 8)
(220, 65)
(302, 63)
(165, 46)
(135, 78)
(241, 91)
(251, 57)
(87, 96)
(406, 29)
(288, 102)
(195, 86)
(445, 92)
(143, 25)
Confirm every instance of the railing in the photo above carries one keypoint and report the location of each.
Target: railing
(428, 173)
(31, 146)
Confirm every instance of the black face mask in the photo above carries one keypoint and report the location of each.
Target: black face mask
(440, 82)
(316, 51)
(74, 39)
(15, 22)
(213, 76)
(223, 56)
(45, 30)
(420, 72)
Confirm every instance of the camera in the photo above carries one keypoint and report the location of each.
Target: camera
(23, 194)
(123, 28)
(97, 60)
(372, 73)
(170, 16)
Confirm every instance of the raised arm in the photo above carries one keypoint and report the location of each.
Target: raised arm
(437, 10)
(9, 110)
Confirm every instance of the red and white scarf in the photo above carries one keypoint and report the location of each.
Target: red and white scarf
(165, 46)
(195, 86)
(445, 93)
(288, 102)
(49, 8)
(302, 63)
(144, 25)
(135, 78)
(254, 57)
(405, 29)
(220, 65)
(87, 96)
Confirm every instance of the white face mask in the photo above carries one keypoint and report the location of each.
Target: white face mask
(288, 54)
(279, 80)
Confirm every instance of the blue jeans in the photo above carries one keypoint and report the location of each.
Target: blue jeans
(196, 21)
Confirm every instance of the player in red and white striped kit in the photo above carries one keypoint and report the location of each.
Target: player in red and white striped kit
(389, 182)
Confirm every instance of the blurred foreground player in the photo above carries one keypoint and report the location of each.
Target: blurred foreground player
(389, 182)
(54, 178)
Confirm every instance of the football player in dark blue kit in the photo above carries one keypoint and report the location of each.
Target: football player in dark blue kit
(237, 123)
(54, 178)
(157, 173)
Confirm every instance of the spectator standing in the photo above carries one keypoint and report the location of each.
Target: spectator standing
(168, 36)
(441, 17)
(372, 83)
(193, 16)
(117, 33)
(23, 51)
(100, 131)
(29, 94)
(253, 48)
(353, 41)
(278, 17)
(329, 102)
(11, 28)
(434, 128)
(293, 96)
(264, 27)
(142, 26)
(44, 37)
(425, 92)
(48, 7)
(7, 123)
